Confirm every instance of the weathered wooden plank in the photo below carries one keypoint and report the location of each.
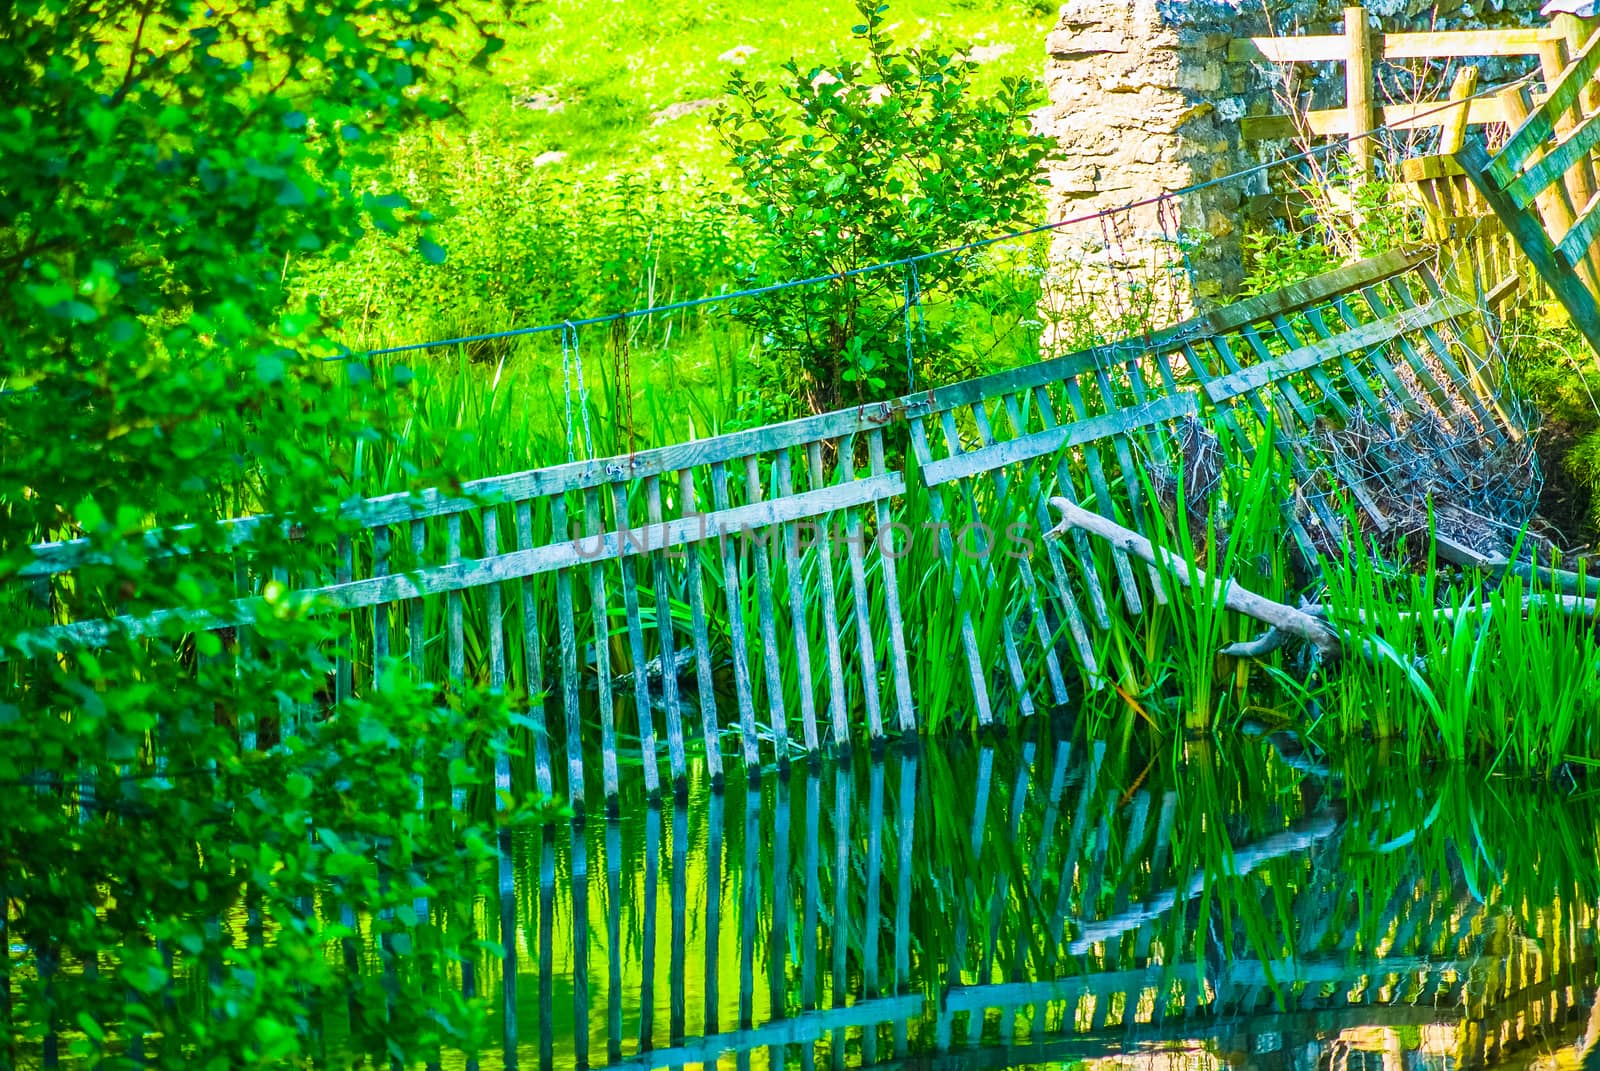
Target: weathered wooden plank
(594, 525)
(416, 610)
(533, 657)
(455, 626)
(641, 679)
(1336, 122)
(1548, 169)
(1437, 44)
(380, 612)
(830, 604)
(454, 611)
(494, 604)
(1060, 437)
(888, 558)
(728, 545)
(569, 660)
(784, 475)
(664, 630)
(1358, 88)
(1574, 247)
(768, 623)
(705, 682)
(495, 612)
(471, 573)
(1541, 125)
(343, 671)
(1309, 356)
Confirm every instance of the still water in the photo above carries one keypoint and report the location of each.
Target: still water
(1044, 902)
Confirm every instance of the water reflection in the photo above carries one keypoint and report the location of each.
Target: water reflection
(1050, 902)
(1037, 902)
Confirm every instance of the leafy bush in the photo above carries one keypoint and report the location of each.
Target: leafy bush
(857, 163)
(159, 163)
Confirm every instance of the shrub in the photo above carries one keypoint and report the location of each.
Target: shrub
(857, 163)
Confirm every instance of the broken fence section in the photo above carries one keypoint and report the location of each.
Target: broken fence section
(1542, 184)
(771, 565)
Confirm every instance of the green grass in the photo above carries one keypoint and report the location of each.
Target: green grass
(614, 66)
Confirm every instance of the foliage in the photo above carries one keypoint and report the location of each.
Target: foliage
(858, 163)
(528, 245)
(160, 162)
(1552, 364)
(1330, 218)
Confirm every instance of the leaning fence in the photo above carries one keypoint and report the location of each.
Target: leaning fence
(770, 564)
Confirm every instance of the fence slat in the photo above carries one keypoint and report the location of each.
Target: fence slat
(784, 477)
(533, 657)
(1103, 501)
(561, 529)
(769, 632)
(830, 605)
(888, 562)
(669, 660)
(1066, 488)
(641, 678)
(494, 610)
(380, 613)
(594, 524)
(704, 680)
(343, 671)
(728, 544)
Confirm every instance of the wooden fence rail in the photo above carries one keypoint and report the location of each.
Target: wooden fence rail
(771, 561)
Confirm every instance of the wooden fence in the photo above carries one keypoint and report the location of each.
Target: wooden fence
(603, 577)
(1542, 183)
(1358, 48)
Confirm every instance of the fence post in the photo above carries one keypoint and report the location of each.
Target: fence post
(1358, 88)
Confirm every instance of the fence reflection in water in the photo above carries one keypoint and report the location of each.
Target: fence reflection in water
(1037, 901)
(1026, 904)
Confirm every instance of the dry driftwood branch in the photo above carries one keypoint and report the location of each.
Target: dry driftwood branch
(1285, 619)
(1260, 647)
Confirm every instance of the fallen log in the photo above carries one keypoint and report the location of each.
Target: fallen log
(1286, 619)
